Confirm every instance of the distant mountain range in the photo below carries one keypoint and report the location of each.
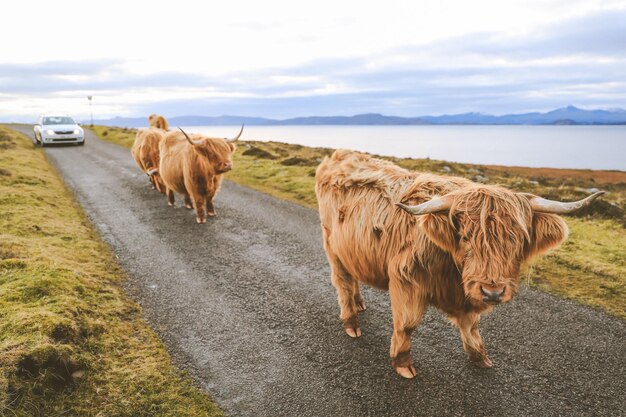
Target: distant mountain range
(569, 115)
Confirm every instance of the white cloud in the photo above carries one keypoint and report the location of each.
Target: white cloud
(133, 53)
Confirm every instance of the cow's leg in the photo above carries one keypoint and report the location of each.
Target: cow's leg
(344, 285)
(217, 184)
(358, 298)
(163, 188)
(188, 202)
(407, 307)
(198, 204)
(472, 340)
(211, 191)
(170, 197)
(160, 187)
(209, 207)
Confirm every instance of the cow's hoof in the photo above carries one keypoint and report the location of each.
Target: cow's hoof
(188, 206)
(170, 204)
(407, 372)
(360, 304)
(351, 326)
(353, 332)
(485, 363)
(200, 221)
(211, 214)
(482, 361)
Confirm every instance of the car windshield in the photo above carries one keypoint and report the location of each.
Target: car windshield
(58, 120)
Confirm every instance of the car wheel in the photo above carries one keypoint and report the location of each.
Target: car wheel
(81, 143)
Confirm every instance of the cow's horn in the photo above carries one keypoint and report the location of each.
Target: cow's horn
(431, 206)
(152, 171)
(235, 139)
(190, 141)
(549, 206)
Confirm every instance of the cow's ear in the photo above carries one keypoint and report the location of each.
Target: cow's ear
(440, 230)
(548, 231)
(232, 146)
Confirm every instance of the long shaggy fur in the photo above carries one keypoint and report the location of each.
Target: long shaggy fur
(158, 121)
(440, 259)
(145, 152)
(197, 171)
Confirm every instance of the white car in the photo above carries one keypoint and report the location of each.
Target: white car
(58, 128)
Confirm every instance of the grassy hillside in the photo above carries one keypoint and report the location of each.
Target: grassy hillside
(71, 342)
(590, 267)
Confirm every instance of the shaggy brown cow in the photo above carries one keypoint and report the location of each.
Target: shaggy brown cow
(158, 121)
(145, 152)
(458, 246)
(193, 166)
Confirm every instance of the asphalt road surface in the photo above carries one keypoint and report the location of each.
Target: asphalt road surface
(245, 304)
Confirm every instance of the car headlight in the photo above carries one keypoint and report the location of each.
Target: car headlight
(77, 131)
(49, 132)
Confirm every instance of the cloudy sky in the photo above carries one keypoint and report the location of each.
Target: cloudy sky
(283, 59)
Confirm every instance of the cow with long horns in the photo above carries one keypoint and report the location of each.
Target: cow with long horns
(194, 166)
(429, 240)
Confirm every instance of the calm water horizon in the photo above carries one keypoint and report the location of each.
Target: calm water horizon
(582, 147)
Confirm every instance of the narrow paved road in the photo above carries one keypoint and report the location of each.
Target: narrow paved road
(246, 305)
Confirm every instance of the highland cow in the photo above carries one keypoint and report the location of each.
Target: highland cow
(158, 121)
(194, 167)
(145, 152)
(429, 240)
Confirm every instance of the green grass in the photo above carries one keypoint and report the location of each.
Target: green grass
(71, 342)
(589, 268)
(118, 135)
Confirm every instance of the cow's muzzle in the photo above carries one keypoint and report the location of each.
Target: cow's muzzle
(225, 167)
(492, 295)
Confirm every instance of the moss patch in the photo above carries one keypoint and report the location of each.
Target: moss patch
(71, 342)
(258, 153)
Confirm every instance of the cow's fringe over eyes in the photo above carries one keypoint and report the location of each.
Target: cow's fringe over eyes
(494, 225)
